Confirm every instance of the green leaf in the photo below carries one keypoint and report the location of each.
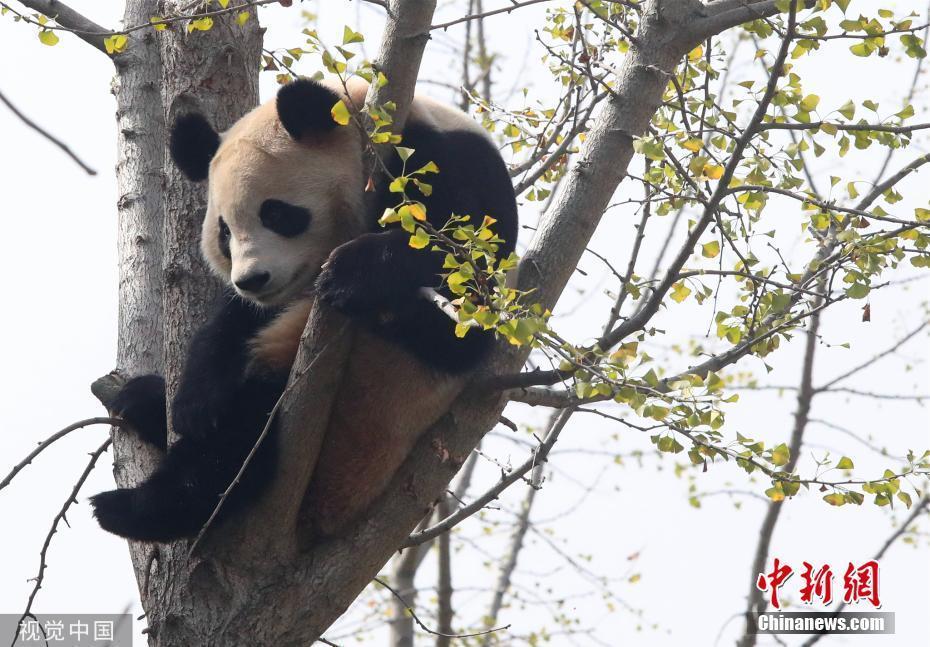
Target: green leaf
(781, 454)
(48, 37)
(906, 113)
(861, 49)
(857, 291)
(403, 152)
(711, 249)
(398, 184)
(420, 239)
(349, 36)
(810, 103)
(836, 499)
(845, 463)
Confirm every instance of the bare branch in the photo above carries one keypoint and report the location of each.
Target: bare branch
(444, 588)
(509, 564)
(801, 416)
(869, 362)
(61, 516)
(36, 127)
(479, 15)
(45, 444)
(537, 458)
(422, 626)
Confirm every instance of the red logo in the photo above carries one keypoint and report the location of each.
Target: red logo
(860, 583)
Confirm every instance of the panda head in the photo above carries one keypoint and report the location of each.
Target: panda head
(285, 187)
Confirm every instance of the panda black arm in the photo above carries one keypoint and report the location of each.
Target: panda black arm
(377, 277)
(215, 366)
(215, 361)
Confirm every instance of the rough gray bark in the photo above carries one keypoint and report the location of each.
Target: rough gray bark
(140, 124)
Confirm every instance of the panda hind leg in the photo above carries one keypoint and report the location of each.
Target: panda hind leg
(174, 502)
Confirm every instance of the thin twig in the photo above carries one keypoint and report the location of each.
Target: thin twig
(43, 553)
(538, 457)
(261, 437)
(477, 16)
(58, 435)
(427, 629)
(36, 127)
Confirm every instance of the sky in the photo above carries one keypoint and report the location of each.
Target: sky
(678, 574)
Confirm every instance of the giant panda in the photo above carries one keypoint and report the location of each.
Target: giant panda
(286, 186)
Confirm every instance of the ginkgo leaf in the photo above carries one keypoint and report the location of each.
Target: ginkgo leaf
(340, 113)
(48, 37)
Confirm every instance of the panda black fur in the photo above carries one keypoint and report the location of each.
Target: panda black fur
(286, 184)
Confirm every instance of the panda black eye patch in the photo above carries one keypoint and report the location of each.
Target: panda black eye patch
(224, 236)
(285, 219)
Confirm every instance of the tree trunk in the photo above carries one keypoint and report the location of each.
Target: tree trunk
(166, 291)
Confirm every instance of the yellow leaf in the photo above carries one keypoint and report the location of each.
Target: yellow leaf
(419, 240)
(48, 37)
(416, 210)
(116, 43)
(242, 18)
(201, 24)
(693, 144)
(810, 103)
(713, 171)
(224, 3)
(158, 23)
(340, 113)
(711, 249)
(696, 54)
(680, 292)
(781, 455)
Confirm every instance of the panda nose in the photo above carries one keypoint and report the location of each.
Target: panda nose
(253, 282)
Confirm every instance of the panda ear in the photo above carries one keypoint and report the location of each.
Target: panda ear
(305, 106)
(193, 144)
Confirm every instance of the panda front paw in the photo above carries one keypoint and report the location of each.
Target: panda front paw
(141, 403)
(369, 273)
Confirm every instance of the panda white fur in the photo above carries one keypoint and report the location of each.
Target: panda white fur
(285, 189)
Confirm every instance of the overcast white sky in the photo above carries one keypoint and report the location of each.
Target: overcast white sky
(58, 335)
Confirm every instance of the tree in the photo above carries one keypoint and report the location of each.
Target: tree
(638, 81)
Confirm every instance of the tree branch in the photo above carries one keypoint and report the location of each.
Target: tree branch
(801, 417)
(538, 457)
(58, 435)
(61, 516)
(36, 127)
(84, 28)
